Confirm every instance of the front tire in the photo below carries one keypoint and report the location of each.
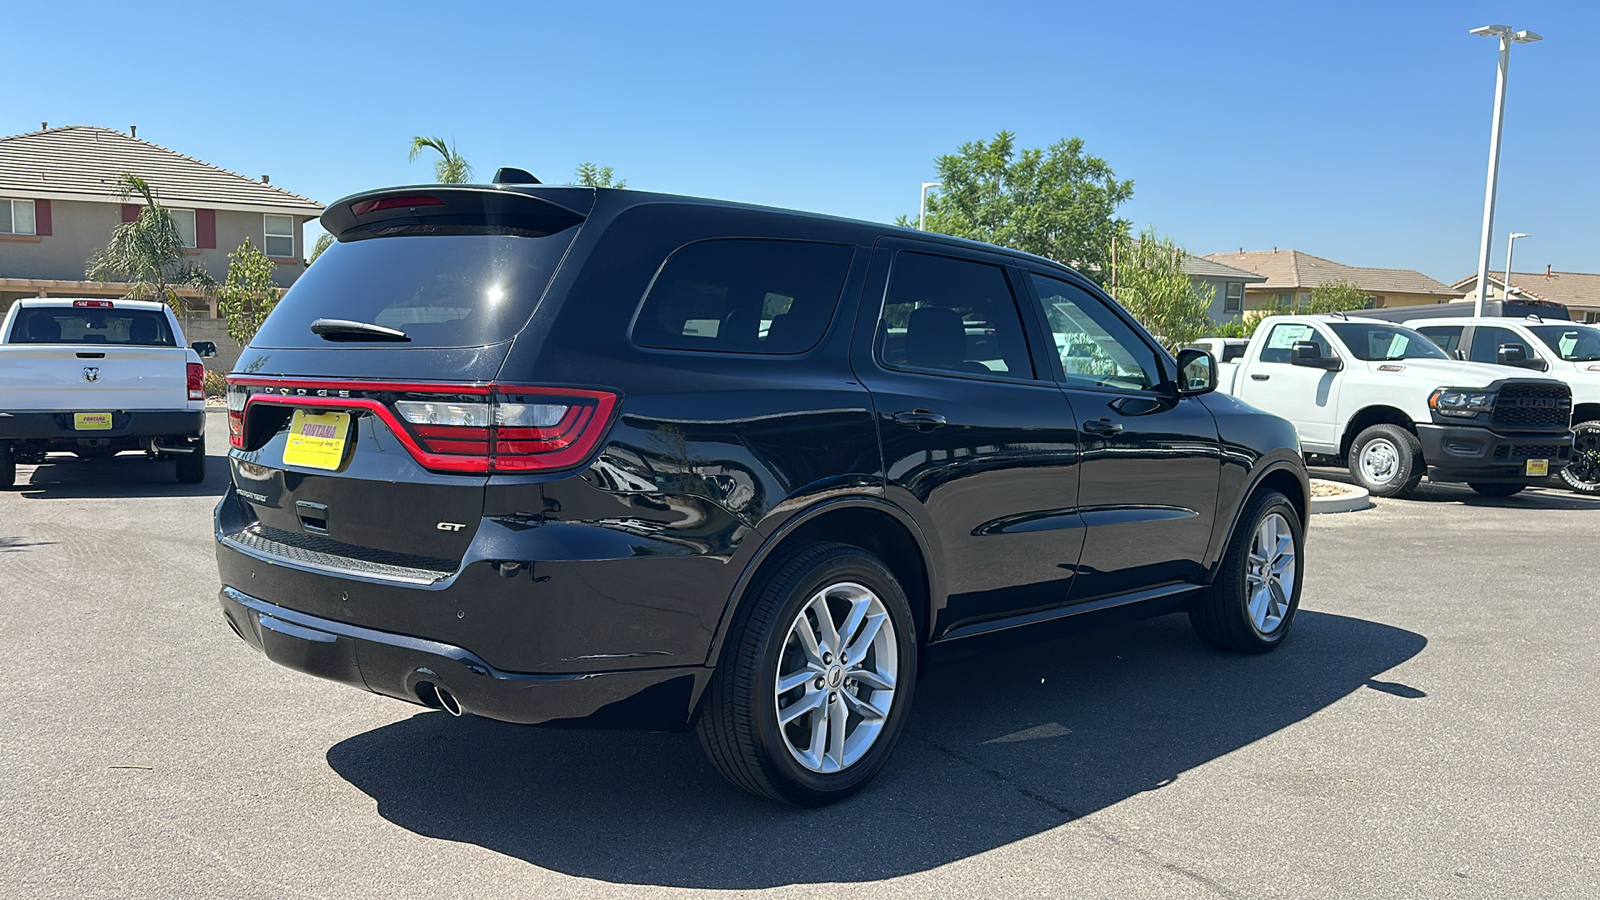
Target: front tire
(191, 467)
(1496, 490)
(1253, 600)
(1582, 474)
(816, 680)
(1387, 461)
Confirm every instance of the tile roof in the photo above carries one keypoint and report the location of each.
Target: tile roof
(1569, 288)
(84, 162)
(1203, 267)
(1293, 269)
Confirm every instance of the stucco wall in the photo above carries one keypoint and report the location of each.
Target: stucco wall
(1219, 297)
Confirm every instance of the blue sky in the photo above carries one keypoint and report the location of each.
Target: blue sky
(1357, 131)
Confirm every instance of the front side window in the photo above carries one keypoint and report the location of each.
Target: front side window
(1448, 337)
(279, 236)
(184, 219)
(17, 217)
(951, 316)
(1098, 349)
(1234, 301)
(1487, 340)
(1281, 341)
(1573, 343)
(1372, 342)
(744, 296)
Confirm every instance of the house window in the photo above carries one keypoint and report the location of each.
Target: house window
(1285, 300)
(280, 236)
(16, 217)
(184, 219)
(1234, 301)
(1304, 300)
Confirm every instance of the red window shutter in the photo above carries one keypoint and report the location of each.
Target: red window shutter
(205, 229)
(41, 217)
(130, 212)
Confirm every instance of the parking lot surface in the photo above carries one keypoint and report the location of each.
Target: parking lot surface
(1430, 730)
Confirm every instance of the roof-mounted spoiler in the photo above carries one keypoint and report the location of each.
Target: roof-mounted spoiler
(509, 208)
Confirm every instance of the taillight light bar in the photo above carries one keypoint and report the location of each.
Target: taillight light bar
(474, 428)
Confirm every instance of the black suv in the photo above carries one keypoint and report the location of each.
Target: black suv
(557, 454)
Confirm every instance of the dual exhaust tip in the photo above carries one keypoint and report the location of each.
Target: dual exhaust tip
(436, 697)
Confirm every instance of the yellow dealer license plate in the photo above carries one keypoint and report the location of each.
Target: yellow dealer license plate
(100, 421)
(1538, 467)
(316, 439)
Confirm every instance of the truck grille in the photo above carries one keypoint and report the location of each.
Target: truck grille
(1533, 451)
(1533, 405)
(313, 552)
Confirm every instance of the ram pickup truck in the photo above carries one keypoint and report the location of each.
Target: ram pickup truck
(95, 378)
(1566, 351)
(1395, 407)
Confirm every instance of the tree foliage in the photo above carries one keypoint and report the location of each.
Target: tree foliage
(1151, 284)
(1232, 328)
(1057, 202)
(451, 167)
(147, 252)
(591, 175)
(249, 293)
(324, 241)
(1336, 296)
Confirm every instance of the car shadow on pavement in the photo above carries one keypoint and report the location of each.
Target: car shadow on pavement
(126, 475)
(1544, 497)
(999, 748)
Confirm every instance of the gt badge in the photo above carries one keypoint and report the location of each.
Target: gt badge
(449, 526)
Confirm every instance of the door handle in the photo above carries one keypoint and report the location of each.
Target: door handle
(921, 418)
(1102, 426)
(1259, 377)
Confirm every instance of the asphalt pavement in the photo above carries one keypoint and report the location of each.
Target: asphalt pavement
(1430, 730)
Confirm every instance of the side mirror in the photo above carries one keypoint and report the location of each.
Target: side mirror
(206, 349)
(1306, 353)
(1197, 372)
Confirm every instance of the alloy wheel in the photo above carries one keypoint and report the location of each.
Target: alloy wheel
(1270, 573)
(1584, 470)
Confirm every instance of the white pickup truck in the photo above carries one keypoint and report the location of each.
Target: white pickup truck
(1566, 351)
(97, 377)
(1393, 405)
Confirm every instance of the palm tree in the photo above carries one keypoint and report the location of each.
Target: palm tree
(450, 167)
(148, 252)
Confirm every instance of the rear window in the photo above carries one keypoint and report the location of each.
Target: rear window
(456, 290)
(744, 296)
(112, 327)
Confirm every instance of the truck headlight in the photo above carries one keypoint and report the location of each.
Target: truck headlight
(1459, 403)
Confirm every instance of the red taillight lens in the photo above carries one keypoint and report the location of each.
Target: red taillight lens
(197, 381)
(370, 206)
(516, 429)
(238, 394)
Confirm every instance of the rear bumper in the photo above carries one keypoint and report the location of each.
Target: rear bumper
(56, 426)
(394, 665)
(1460, 453)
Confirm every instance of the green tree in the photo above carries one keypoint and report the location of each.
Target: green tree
(591, 175)
(1058, 202)
(1336, 296)
(450, 167)
(1232, 328)
(1151, 284)
(147, 252)
(249, 293)
(324, 241)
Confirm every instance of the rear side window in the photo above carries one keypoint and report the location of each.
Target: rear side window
(952, 316)
(112, 327)
(442, 290)
(744, 296)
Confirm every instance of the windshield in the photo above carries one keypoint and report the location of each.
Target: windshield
(1371, 341)
(1574, 343)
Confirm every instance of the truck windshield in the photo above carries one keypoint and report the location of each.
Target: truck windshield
(1574, 343)
(113, 327)
(1371, 341)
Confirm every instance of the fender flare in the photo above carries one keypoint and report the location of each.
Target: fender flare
(1257, 476)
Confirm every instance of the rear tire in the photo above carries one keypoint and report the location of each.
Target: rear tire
(1496, 490)
(850, 681)
(8, 467)
(1252, 602)
(1582, 474)
(191, 467)
(1387, 461)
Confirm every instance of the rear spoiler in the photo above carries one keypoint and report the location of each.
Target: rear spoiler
(535, 209)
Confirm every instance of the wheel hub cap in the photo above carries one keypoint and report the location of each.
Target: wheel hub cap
(1380, 460)
(1270, 574)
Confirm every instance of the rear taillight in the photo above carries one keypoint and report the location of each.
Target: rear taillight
(238, 395)
(197, 381)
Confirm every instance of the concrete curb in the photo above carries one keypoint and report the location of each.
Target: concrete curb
(1353, 500)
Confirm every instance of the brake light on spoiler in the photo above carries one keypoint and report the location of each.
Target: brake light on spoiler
(451, 427)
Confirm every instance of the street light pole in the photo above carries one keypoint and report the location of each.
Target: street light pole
(922, 208)
(1505, 286)
(1506, 36)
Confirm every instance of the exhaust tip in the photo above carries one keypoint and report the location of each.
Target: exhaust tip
(428, 695)
(448, 702)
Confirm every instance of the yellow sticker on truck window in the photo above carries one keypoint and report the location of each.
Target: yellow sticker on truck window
(316, 440)
(100, 421)
(1538, 467)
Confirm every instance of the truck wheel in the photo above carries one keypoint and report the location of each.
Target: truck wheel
(1387, 461)
(1257, 590)
(1496, 490)
(8, 467)
(192, 466)
(815, 681)
(1583, 473)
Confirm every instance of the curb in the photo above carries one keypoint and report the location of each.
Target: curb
(1354, 500)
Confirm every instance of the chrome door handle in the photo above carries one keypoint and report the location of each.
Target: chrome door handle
(921, 418)
(1102, 426)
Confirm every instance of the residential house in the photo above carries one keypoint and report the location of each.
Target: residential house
(59, 202)
(1227, 286)
(1578, 291)
(1292, 275)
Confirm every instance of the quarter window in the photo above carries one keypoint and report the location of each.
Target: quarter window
(280, 236)
(952, 316)
(17, 217)
(1234, 301)
(744, 296)
(1097, 348)
(184, 219)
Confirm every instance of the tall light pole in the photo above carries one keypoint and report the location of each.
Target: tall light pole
(1506, 36)
(1511, 244)
(922, 208)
